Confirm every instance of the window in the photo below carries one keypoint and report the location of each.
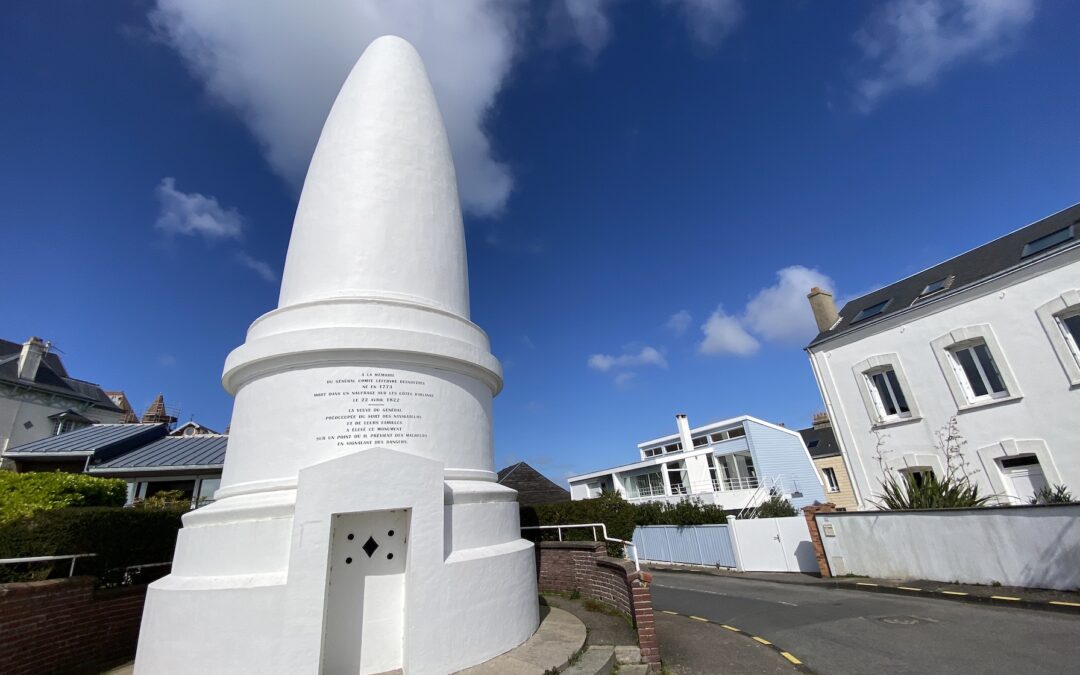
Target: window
(1047, 242)
(888, 395)
(812, 444)
(677, 478)
(830, 479)
(653, 452)
(872, 310)
(980, 375)
(939, 285)
(674, 447)
(713, 474)
(700, 441)
(736, 432)
(975, 367)
(646, 485)
(1060, 319)
(919, 476)
(885, 390)
(1017, 462)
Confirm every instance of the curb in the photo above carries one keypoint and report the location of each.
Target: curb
(1015, 602)
(786, 655)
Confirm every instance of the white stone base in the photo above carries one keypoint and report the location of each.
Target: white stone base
(248, 592)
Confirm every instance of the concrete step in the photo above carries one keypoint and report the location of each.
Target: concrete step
(596, 660)
(627, 655)
(559, 637)
(635, 669)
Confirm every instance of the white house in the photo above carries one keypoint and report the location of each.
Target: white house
(39, 399)
(734, 463)
(987, 340)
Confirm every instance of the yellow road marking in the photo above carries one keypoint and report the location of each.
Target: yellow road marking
(1065, 604)
(667, 611)
(731, 628)
(863, 583)
(953, 593)
(698, 618)
(908, 588)
(790, 657)
(762, 640)
(1003, 597)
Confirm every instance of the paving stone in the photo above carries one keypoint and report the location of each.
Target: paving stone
(595, 661)
(627, 654)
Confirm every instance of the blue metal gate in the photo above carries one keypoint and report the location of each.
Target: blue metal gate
(692, 544)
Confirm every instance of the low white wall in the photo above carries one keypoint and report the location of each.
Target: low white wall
(1030, 546)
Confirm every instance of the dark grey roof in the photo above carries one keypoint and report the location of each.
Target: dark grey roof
(532, 486)
(203, 451)
(104, 441)
(51, 377)
(996, 257)
(820, 442)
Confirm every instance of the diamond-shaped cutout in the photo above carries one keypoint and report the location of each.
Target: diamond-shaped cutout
(370, 546)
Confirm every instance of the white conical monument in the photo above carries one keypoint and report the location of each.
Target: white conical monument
(358, 527)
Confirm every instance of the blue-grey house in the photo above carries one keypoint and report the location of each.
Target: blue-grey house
(735, 463)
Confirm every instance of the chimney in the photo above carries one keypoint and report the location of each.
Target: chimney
(684, 431)
(821, 420)
(824, 307)
(33, 350)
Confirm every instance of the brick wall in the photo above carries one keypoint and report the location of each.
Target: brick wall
(809, 512)
(584, 566)
(65, 625)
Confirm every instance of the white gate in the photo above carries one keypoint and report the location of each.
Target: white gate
(773, 545)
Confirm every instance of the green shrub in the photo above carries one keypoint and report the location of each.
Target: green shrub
(620, 516)
(120, 537)
(775, 507)
(22, 494)
(1059, 494)
(951, 492)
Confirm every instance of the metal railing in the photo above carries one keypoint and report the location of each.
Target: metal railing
(592, 526)
(742, 483)
(49, 558)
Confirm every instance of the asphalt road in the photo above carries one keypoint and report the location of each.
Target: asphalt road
(839, 632)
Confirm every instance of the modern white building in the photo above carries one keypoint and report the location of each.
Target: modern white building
(987, 341)
(735, 463)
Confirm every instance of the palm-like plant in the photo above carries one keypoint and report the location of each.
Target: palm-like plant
(948, 493)
(1059, 494)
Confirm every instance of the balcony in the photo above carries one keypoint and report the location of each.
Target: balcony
(747, 483)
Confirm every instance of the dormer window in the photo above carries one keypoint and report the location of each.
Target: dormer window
(1048, 241)
(871, 311)
(936, 287)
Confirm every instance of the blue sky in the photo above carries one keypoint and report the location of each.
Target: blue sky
(650, 187)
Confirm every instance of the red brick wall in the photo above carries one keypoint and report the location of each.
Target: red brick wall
(810, 513)
(63, 625)
(584, 566)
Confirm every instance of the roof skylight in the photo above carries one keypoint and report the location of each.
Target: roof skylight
(872, 310)
(1048, 241)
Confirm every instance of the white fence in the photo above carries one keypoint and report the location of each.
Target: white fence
(1029, 546)
(754, 545)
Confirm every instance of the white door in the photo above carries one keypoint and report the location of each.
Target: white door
(365, 594)
(1026, 481)
(775, 545)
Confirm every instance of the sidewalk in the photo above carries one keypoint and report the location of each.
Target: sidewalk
(1028, 598)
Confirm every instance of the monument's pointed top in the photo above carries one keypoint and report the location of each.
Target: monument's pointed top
(379, 215)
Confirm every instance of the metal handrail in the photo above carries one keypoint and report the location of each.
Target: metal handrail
(593, 526)
(46, 558)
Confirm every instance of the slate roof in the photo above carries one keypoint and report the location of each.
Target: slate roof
(532, 486)
(205, 451)
(103, 441)
(51, 377)
(991, 259)
(825, 445)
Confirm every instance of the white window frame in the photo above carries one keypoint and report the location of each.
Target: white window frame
(1050, 315)
(832, 483)
(865, 370)
(1011, 447)
(945, 348)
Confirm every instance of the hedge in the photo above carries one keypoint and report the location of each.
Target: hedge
(620, 516)
(22, 494)
(120, 537)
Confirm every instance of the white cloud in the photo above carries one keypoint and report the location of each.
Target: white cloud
(679, 321)
(724, 334)
(195, 214)
(258, 266)
(709, 21)
(582, 21)
(279, 64)
(647, 356)
(623, 379)
(909, 43)
(781, 312)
